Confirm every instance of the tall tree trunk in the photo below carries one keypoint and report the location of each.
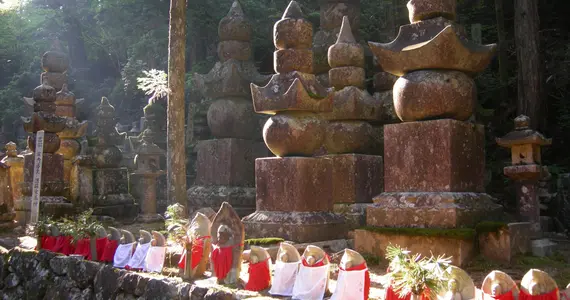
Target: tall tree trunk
(176, 154)
(530, 98)
(502, 51)
(74, 36)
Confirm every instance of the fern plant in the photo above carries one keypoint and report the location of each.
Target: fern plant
(176, 223)
(154, 83)
(416, 274)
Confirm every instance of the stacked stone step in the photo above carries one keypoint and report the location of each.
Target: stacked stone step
(331, 14)
(100, 182)
(44, 118)
(225, 165)
(294, 190)
(434, 162)
(351, 141)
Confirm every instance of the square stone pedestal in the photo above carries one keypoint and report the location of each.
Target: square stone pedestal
(294, 200)
(356, 178)
(53, 206)
(225, 173)
(461, 248)
(434, 156)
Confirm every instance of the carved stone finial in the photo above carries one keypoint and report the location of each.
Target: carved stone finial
(293, 11)
(11, 150)
(522, 122)
(235, 26)
(345, 35)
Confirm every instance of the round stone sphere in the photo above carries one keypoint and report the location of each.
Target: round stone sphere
(349, 137)
(232, 118)
(51, 142)
(69, 148)
(294, 133)
(107, 156)
(431, 94)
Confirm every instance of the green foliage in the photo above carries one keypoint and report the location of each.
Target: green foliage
(412, 273)
(488, 227)
(154, 83)
(176, 223)
(459, 233)
(263, 241)
(81, 226)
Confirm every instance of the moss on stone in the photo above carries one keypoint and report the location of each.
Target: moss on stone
(490, 227)
(264, 241)
(459, 233)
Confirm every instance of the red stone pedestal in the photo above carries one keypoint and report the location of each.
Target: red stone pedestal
(294, 200)
(434, 178)
(356, 178)
(225, 173)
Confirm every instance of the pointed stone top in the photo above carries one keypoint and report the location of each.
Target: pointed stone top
(158, 240)
(64, 88)
(345, 35)
(234, 26)
(235, 10)
(293, 11)
(114, 234)
(145, 237)
(105, 109)
(64, 96)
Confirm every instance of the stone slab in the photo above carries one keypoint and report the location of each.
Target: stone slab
(503, 245)
(294, 184)
(543, 247)
(435, 210)
(110, 181)
(300, 227)
(356, 178)
(374, 243)
(52, 180)
(228, 161)
(242, 199)
(434, 156)
(354, 214)
(117, 211)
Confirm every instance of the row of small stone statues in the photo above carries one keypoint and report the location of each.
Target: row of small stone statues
(119, 247)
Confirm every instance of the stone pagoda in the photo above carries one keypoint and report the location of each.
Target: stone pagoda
(147, 162)
(100, 172)
(331, 14)
(74, 130)
(44, 118)
(16, 164)
(434, 162)
(225, 165)
(351, 141)
(294, 191)
(526, 169)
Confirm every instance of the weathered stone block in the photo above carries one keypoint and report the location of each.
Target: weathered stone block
(294, 184)
(234, 49)
(507, 242)
(434, 156)
(354, 214)
(375, 243)
(543, 247)
(228, 162)
(52, 174)
(55, 80)
(242, 199)
(356, 178)
(435, 210)
(301, 227)
(289, 60)
(110, 181)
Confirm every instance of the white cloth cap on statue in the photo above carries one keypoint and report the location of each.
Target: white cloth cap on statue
(350, 285)
(154, 260)
(311, 282)
(284, 278)
(137, 261)
(123, 254)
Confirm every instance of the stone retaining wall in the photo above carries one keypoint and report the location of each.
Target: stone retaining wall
(46, 275)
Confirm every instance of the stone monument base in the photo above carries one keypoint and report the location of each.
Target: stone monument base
(461, 247)
(357, 178)
(299, 227)
(117, 211)
(432, 210)
(294, 200)
(54, 206)
(149, 218)
(354, 214)
(242, 199)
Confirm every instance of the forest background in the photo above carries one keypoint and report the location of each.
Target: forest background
(111, 42)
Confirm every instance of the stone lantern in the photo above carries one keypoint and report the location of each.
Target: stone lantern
(147, 162)
(526, 169)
